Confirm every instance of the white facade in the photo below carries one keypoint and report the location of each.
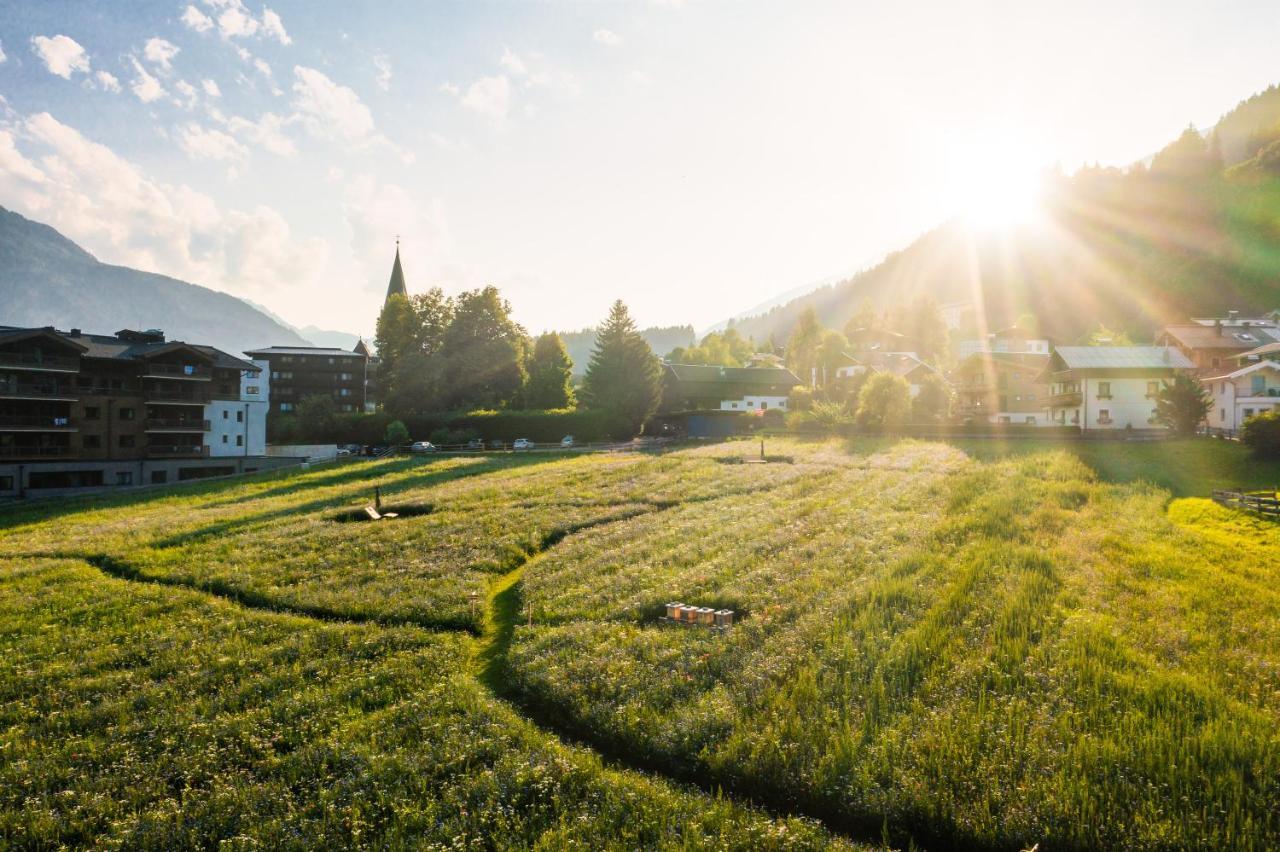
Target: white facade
(239, 427)
(1244, 393)
(1114, 402)
(754, 403)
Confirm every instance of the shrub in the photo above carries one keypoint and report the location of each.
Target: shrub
(884, 401)
(397, 433)
(1261, 434)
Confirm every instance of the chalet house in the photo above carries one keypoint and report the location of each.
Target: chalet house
(1110, 387)
(1003, 387)
(905, 364)
(90, 410)
(1213, 344)
(689, 387)
(1239, 395)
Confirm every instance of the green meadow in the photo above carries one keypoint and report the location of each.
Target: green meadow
(973, 644)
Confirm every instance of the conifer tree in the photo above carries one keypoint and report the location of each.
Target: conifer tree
(550, 371)
(623, 376)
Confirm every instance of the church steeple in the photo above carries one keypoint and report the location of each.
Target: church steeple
(396, 286)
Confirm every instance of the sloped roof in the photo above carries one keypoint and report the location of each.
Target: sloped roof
(1196, 336)
(1244, 371)
(902, 364)
(329, 351)
(736, 375)
(111, 347)
(1121, 357)
(1264, 349)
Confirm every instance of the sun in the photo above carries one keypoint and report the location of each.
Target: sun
(995, 179)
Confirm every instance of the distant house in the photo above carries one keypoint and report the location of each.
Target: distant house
(1212, 344)
(1110, 387)
(1266, 352)
(905, 364)
(1239, 395)
(691, 387)
(1003, 387)
(1012, 339)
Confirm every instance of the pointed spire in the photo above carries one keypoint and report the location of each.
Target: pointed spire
(396, 285)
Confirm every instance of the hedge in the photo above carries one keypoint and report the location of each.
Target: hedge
(540, 426)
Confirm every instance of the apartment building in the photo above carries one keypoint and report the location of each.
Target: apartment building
(298, 372)
(89, 410)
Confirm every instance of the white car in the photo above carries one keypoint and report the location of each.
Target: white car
(522, 444)
(566, 442)
(422, 447)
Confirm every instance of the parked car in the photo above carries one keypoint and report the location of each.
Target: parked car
(566, 441)
(475, 444)
(522, 444)
(343, 452)
(422, 447)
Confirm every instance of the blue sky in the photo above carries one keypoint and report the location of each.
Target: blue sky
(693, 158)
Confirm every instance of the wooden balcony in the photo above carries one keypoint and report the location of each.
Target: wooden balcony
(176, 424)
(175, 396)
(1065, 400)
(39, 363)
(39, 390)
(35, 423)
(35, 452)
(186, 372)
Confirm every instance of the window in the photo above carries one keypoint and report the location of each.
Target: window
(224, 414)
(126, 414)
(91, 442)
(763, 405)
(188, 370)
(159, 477)
(1153, 388)
(239, 416)
(6, 483)
(239, 440)
(1213, 362)
(344, 391)
(127, 441)
(1031, 421)
(286, 406)
(251, 390)
(1104, 390)
(1259, 386)
(224, 439)
(1104, 415)
(1248, 412)
(92, 412)
(1222, 415)
(124, 477)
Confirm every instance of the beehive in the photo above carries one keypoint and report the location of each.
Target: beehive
(687, 614)
(706, 615)
(724, 618)
(673, 611)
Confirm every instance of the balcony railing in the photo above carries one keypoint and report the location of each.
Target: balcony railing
(175, 395)
(173, 451)
(35, 423)
(195, 372)
(176, 424)
(23, 390)
(34, 452)
(1063, 399)
(34, 361)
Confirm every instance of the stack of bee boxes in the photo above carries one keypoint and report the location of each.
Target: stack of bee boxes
(703, 616)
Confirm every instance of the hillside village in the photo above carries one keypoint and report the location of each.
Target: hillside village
(86, 411)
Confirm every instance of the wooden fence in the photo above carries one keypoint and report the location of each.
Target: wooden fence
(1260, 502)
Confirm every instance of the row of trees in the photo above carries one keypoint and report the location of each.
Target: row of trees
(455, 354)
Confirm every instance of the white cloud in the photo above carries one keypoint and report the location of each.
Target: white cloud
(489, 96)
(188, 92)
(62, 55)
(160, 52)
(450, 89)
(376, 212)
(201, 143)
(237, 22)
(329, 110)
(2, 56)
(383, 65)
(263, 68)
(267, 132)
(108, 205)
(146, 87)
(274, 27)
(211, 89)
(108, 81)
(513, 63)
(606, 37)
(197, 20)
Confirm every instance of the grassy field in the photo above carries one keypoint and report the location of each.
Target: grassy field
(974, 644)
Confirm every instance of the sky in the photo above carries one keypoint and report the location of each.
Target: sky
(691, 157)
